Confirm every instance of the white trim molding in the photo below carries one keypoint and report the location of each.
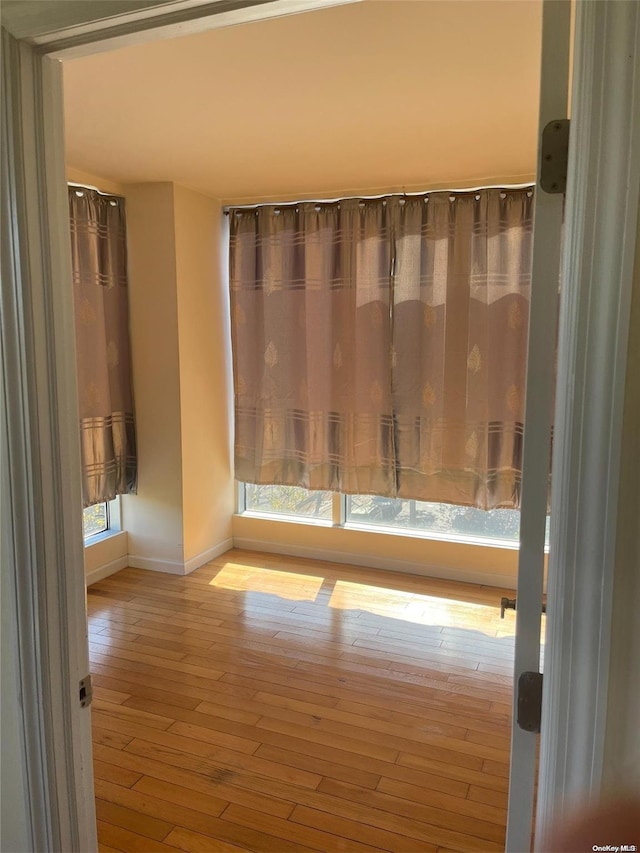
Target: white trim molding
(155, 564)
(206, 556)
(66, 32)
(42, 482)
(600, 236)
(174, 567)
(538, 420)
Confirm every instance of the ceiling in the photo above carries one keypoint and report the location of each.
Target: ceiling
(382, 95)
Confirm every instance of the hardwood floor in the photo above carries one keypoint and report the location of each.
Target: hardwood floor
(269, 703)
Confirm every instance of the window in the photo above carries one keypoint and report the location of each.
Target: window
(288, 501)
(389, 515)
(459, 522)
(353, 369)
(95, 519)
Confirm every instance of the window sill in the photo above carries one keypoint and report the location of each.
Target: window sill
(286, 519)
(97, 538)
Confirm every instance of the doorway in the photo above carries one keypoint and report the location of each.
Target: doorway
(39, 67)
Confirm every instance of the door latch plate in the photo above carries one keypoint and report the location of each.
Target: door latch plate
(530, 701)
(85, 691)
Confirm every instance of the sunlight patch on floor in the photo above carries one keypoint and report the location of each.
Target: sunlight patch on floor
(294, 587)
(411, 607)
(341, 596)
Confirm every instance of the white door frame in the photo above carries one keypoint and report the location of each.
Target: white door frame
(597, 279)
(538, 419)
(40, 483)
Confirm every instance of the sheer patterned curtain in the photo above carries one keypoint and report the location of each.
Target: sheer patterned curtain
(311, 340)
(99, 263)
(461, 307)
(380, 345)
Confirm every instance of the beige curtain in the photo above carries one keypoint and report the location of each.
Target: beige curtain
(461, 306)
(311, 340)
(107, 428)
(380, 345)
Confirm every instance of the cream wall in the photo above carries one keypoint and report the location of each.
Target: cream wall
(181, 516)
(154, 517)
(205, 373)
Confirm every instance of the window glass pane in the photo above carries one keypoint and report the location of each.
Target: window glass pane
(456, 521)
(95, 519)
(291, 501)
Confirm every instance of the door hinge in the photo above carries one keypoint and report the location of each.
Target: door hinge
(530, 701)
(554, 156)
(85, 691)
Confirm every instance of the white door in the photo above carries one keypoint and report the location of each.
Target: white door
(538, 419)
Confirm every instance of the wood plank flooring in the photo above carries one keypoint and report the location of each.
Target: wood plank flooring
(270, 703)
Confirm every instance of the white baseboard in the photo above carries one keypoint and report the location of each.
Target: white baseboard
(386, 563)
(103, 572)
(177, 568)
(423, 569)
(154, 564)
(208, 555)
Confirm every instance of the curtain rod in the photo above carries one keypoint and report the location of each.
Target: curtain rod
(253, 205)
(95, 189)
